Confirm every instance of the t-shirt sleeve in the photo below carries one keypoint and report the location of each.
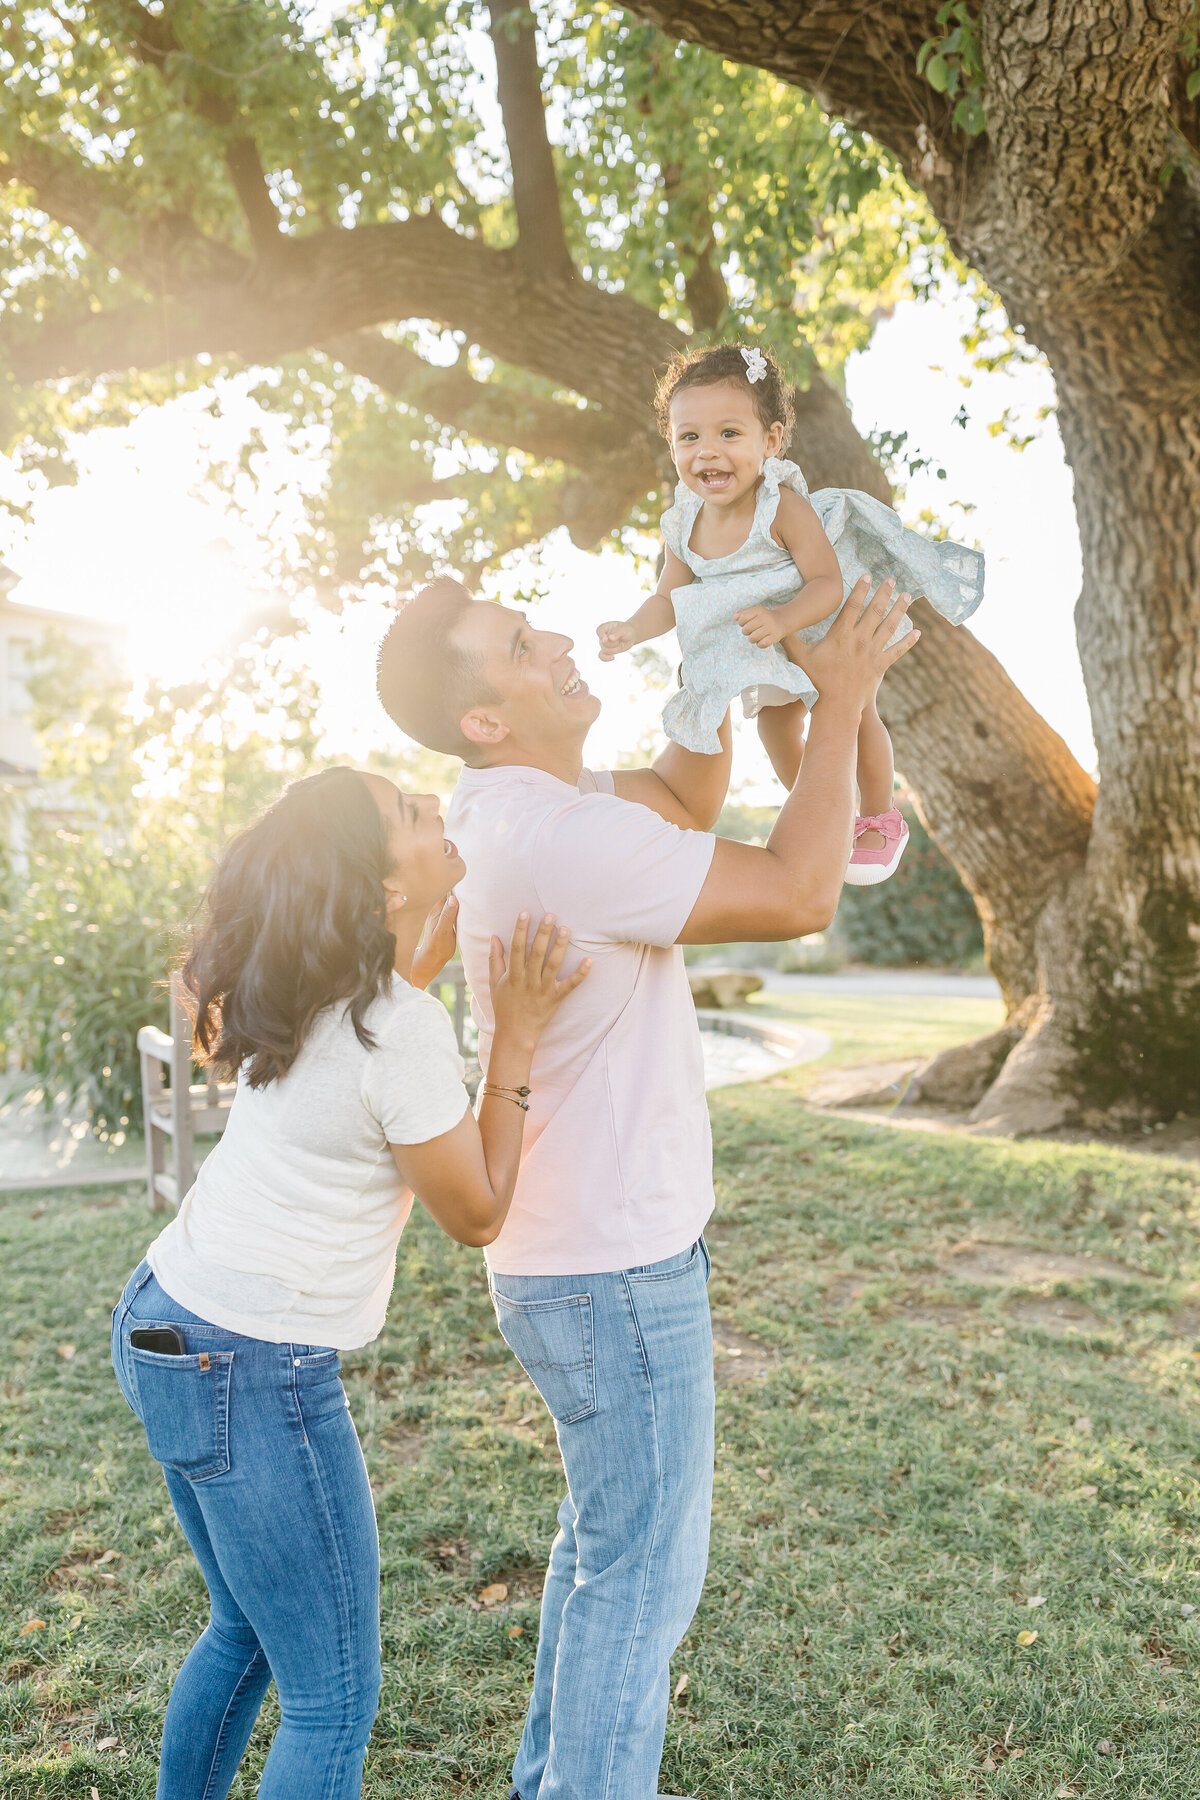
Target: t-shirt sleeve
(413, 1083)
(615, 872)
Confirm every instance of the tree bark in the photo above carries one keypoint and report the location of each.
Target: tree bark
(1079, 205)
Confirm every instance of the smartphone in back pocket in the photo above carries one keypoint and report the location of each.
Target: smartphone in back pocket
(164, 1340)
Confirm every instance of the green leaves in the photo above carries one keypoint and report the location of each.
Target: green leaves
(953, 65)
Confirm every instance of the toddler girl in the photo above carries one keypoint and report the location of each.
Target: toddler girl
(751, 575)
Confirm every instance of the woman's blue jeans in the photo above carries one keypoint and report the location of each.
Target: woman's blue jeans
(267, 1479)
(624, 1361)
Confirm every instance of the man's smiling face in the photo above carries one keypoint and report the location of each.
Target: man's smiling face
(542, 703)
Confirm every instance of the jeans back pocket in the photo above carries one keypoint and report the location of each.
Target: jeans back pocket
(183, 1403)
(553, 1342)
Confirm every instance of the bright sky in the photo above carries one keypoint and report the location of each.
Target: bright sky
(134, 542)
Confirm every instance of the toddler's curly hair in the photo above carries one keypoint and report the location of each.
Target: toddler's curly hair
(771, 395)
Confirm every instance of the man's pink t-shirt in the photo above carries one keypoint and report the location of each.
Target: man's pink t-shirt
(617, 1163)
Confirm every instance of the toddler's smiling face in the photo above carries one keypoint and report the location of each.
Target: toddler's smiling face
(718, 442)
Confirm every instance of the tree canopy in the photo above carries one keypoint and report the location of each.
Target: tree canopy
(196, 191)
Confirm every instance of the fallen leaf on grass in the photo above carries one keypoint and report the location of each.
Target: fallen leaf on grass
(1083, 1426)
(66, 1351)
(74, 1623)
(31, 1625)
(680, 1685)
(493, 1594)
(1036, 1600)
(515, 1630)
(1187, 1610)
(1025, 1638)
(95, 1794)
(1106, 1748)
(1087, 1493)
(109, 1556)
(108, 1743)
(763, 1474)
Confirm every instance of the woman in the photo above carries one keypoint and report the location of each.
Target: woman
(307, 977)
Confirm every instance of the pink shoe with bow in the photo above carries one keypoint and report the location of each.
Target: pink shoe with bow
(868, 867)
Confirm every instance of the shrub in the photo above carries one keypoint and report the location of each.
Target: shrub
(923, 915)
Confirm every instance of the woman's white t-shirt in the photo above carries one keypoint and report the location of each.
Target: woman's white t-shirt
(290, 1231)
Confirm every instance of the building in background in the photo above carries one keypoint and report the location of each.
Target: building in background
(22, 631)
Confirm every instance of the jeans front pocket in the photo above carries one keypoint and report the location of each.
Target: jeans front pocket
(183, 1403)
(553, 1342)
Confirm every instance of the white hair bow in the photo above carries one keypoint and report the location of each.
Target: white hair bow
(756, 365)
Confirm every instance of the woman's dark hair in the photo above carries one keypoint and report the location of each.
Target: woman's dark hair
(771, 394)
(293, 920)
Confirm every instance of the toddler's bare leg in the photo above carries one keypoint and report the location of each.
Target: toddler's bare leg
(876, 773)
(781, 729)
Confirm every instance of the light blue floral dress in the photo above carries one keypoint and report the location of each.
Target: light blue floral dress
(720, 662)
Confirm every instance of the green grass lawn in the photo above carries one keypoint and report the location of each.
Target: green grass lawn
(908, 1453)
(880, 1027)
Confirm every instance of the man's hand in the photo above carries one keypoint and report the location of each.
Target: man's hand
(438, 944)
(852, 658)
(615, 635)
(762, 625)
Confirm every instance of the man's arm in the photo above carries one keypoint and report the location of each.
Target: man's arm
(792, 885)
(680, 785)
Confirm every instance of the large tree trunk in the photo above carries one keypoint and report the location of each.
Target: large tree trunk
(1081, 205)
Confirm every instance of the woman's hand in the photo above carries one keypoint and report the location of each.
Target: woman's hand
(438, 944)
(526, 992)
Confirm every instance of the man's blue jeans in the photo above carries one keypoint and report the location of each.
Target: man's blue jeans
(624, 1361)
(267, 1479)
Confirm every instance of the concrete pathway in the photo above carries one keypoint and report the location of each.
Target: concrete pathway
(56, 1148)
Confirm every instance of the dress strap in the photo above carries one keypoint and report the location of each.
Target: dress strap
(777, 473)
(676, 523)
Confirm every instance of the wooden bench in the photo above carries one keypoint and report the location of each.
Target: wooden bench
(176, 1114)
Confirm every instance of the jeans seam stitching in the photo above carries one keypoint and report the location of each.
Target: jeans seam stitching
(208, 1784)
(339, 1561)
(612, 1746)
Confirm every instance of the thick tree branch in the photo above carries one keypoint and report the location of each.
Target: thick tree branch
(605, 346)
(152, 38)
(163, 249)
(542, 240)
(485, 410)
(249, 180)
(995, 783)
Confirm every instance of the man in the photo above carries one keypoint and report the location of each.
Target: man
(599, 1273)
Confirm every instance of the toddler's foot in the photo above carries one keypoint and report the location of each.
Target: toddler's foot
(880, 841)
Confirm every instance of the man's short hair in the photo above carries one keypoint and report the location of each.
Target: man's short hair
(424, 680)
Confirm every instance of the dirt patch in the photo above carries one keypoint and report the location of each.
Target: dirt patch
(453, 1555)
(739, 1358)
(404, 1443)
(1016, 1265)
(1062, 1318)
(87, 1568)
(935, 1314)
(844, 1290)
(524, 1581)
(866, 1084)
